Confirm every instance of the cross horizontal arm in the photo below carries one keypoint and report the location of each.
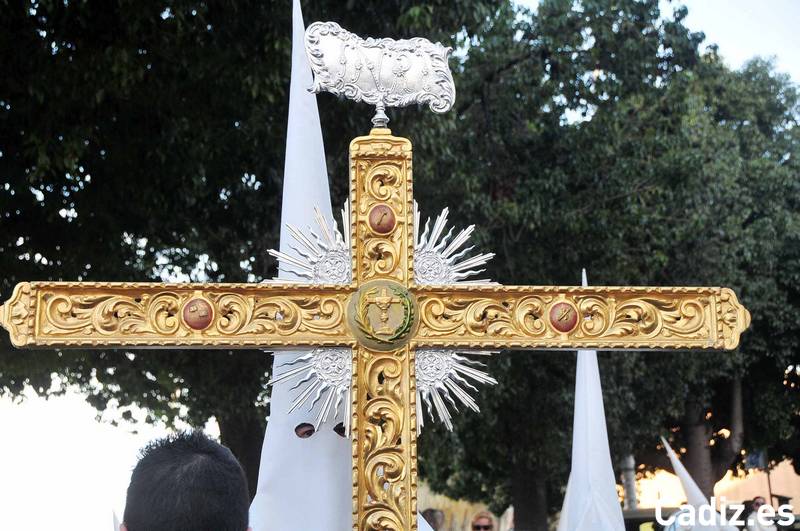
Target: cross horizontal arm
(147, 315)
(553, 317)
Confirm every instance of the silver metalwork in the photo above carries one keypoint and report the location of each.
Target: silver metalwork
(442, 372)
(443, 381)
(321, 259)
(325, 373)
(382, 72)
(438, 260)
(443, 376)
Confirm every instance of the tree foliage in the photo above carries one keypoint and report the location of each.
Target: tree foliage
(145, 141)
(599, 136)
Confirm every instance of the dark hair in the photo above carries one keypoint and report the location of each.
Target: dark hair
(187, 482)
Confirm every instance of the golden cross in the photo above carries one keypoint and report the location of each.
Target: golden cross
(383, 392)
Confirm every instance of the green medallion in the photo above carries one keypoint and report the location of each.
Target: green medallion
(381, 314)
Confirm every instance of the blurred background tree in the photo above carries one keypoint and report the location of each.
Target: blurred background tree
(143, 142)
(605, 139)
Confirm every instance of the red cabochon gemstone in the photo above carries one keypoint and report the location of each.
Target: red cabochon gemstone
(382, 219)
(563, 316)
(197, 314)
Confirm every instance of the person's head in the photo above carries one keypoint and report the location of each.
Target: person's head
(757, 502)
(186, 482)
(482, 521)
(434, 517)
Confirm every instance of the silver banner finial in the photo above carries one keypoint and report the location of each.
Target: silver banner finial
(382, 72)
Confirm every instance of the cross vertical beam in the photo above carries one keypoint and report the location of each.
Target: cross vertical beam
(383, 388)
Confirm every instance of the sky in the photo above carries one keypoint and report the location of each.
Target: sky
(743, 29)
(62, 469)
(747, 28)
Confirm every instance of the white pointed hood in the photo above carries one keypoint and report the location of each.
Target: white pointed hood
(694, 496)
(305, 174)
(591, 500)
(302, 483)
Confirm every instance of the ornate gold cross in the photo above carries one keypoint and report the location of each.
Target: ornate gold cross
(382, 315)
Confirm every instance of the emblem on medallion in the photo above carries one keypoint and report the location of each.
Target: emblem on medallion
(381, 314)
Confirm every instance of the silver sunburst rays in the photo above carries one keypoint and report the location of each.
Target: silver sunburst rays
(442, 372)
(322, 259)
(438, 262)
(323, 375)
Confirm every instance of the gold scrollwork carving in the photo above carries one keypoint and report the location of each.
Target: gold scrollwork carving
(380, 258)
(384, 182)
(381, 175)
(385, 485)
(68, 314)
(482, 316)
(280, 316)
(143, 314)
(384, 396)
(529, 313)
(18, 315)
(636, 318)
(644, 317)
